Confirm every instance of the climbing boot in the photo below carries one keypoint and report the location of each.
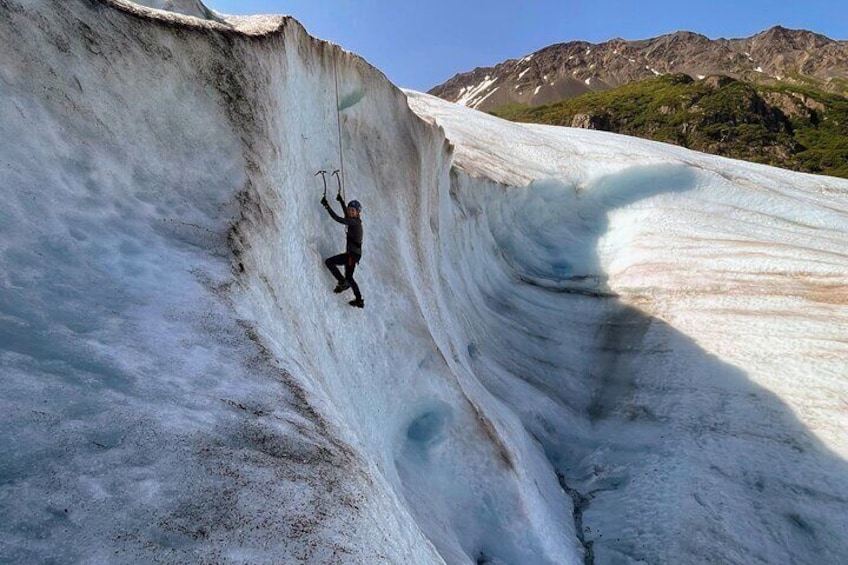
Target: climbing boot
(341, 287)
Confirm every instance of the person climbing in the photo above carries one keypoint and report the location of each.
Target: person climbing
(353, 250)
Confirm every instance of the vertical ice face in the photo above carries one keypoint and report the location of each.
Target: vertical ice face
(142, 415)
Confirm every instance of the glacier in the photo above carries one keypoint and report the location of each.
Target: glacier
(577, 347)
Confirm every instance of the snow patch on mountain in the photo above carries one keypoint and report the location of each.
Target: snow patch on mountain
(474, 96)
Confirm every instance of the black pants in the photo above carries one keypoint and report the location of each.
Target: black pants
(349, 261)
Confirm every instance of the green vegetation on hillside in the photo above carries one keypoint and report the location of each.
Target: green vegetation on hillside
(797, 127)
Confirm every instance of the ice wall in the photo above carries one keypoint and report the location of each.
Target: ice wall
(390, 377)
(143, 420)
(179, 382)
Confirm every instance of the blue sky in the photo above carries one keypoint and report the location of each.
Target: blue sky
(421, 44)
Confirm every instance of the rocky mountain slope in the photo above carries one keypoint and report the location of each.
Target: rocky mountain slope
(565, 70)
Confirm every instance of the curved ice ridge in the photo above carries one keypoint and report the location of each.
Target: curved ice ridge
(194, 8)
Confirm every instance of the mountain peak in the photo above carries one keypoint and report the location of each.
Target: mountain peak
(792, 38)
(687, 35)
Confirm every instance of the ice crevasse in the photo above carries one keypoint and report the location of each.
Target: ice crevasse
(576, 346)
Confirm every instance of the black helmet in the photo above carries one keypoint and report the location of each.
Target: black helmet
(355, 205)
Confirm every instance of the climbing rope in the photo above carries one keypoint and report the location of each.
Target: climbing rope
(339, 122)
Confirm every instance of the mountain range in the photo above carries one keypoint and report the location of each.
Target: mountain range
(565, 70)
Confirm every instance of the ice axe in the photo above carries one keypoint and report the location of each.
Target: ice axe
(324, 178)
(339, 180)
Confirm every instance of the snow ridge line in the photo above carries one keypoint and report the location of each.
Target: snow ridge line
(251, 26)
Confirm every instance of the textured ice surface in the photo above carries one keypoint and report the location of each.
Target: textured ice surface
(575, 345)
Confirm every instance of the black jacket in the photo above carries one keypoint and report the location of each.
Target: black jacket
(354, 229)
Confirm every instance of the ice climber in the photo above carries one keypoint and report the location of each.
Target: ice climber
(353, 251)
